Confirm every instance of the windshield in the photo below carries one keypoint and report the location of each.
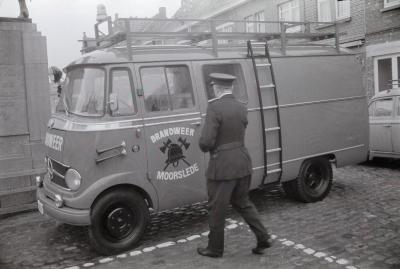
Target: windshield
(83, 92)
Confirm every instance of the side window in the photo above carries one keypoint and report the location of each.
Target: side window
(167, 88)
(371, 109)
(239, 87)
(383, 107)
(121, 84)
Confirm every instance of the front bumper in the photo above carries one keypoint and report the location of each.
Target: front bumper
(64, 214)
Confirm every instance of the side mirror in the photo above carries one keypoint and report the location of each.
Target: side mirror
(55, 74)
(113, 103)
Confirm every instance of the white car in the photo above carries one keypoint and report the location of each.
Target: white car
(384, 118)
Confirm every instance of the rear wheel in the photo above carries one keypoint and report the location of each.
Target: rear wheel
(313, 183)
(119, 219)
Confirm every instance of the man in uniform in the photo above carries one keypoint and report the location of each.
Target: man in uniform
(229, 169)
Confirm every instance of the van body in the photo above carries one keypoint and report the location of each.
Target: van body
(126, 131)
(384, 117)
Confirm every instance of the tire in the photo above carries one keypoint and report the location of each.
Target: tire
(119, 219)
(313, 183)
(288, 187)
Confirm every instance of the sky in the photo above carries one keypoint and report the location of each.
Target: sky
(64, 21)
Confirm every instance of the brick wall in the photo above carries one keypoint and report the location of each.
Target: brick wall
(352, 28)
(383, 27)
(379, 20)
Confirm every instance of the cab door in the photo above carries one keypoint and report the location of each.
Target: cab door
(381, 120)
(172, 126)
(120, 146)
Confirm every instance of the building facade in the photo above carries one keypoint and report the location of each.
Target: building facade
(368, 27)
(382, 45)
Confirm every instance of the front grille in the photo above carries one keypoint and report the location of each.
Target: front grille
(57, 172)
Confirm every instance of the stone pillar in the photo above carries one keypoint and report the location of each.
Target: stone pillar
(24, 110)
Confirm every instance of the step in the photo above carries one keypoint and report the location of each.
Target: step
(263, 65)
(268, 86)
(269, 107)
(274, 171)
(272, 129)
(274, 150)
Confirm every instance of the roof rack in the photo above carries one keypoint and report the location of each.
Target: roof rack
(210, 33)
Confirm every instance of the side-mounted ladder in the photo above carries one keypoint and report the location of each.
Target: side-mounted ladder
(269, 108)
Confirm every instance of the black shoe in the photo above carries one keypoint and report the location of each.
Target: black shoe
(259, 249)
(209, 253)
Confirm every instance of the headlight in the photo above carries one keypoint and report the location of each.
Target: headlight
(73, 179)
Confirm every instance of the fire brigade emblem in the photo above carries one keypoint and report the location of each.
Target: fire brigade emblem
(175, 152)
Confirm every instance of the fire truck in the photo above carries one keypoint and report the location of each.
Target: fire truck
(124, 139)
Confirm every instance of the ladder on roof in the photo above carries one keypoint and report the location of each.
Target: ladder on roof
(271, 130)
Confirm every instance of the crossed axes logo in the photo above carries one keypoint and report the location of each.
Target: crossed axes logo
(175, 152)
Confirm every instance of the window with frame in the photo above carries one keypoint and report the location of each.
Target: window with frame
(331, 10)
(249, 23)
(383, 107)
(239, 86)
(387, 72)
(167, 88)
(83, 92)
(225, 28)
(252, 26)
(390, 3)
(121, 85)
(259, 16)
(342, 9)
(290, 11)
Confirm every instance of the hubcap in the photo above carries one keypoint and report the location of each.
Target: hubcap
(314, 177)
(120, 222)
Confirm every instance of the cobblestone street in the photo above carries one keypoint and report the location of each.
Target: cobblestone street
(356, 226)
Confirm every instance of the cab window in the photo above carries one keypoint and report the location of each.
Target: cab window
(383, 107)
(239, 87)
(121, 85)
(167, 88)
(83, 92)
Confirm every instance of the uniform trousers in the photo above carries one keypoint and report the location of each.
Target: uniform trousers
(221, 193)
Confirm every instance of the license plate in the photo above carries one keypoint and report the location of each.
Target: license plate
(40, 207)
(54, 141)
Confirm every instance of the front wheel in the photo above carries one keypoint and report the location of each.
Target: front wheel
(313, 183)
(119, 219)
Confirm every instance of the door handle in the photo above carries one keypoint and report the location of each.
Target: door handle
(387, 126)
(197, 123)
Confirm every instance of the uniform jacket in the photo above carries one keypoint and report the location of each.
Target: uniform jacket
(223, 137)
